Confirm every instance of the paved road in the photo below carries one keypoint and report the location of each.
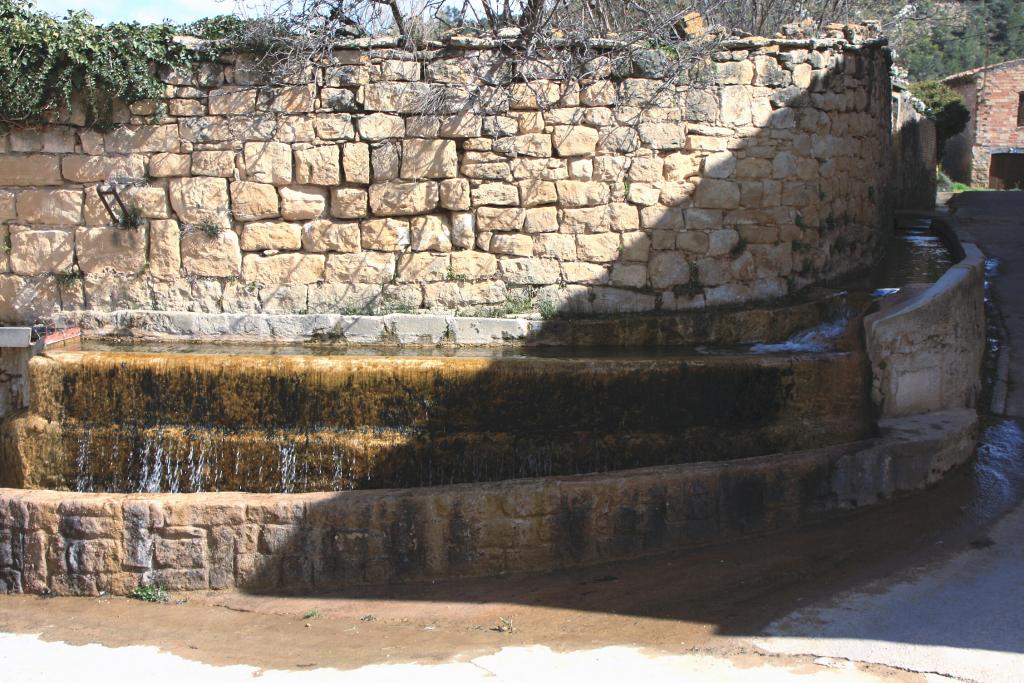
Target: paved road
(965, 617)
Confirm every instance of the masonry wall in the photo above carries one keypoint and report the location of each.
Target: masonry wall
(992, 97)
(341, 195)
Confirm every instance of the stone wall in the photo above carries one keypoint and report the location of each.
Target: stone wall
(342, 196)
(926, 344)
(916, 155)
(81, 543)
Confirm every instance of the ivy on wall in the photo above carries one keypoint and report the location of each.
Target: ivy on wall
(43, 60)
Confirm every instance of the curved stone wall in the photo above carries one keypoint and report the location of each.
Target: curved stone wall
(343, 196)
(926, 345)
(82, 543)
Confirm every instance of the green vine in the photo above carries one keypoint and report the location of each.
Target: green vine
(44, 60)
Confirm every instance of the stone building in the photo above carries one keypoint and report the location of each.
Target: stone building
(990, 151)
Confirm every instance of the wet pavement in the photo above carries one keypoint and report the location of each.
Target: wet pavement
(929, 588)
(963, 617)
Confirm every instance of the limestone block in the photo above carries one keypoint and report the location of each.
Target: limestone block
(575, 140)
(618, 140)
(24, 300)
(296, 128)
(136, 139)
(581, 169)
(284, 298)
(268, 162)
(294, 99)
(334, 127)
(366, 266)
(253, 201)
(668, 269)
(611, 168)
(575, 193)
(661, 217)
(589, 220)
(380, 127)
(540, 169)
(717, 194)
(802, 74)
(270, 235)
(199, 200)
(232, 100)
(530, 271)
(318, 165)
(338, 99)
(598, 248)
(734, 73)
(541, 219)
(768, 71)
(50, 207)
(219, 163)
(348, 202)
(396, 97)
(150, 201)
(429, 159)
(397, 198)
(185, 107)
(473, 265)
(170, 165)
(326, 235)
(164, 249)
(511, 244)
(555, 245)
(736, 106)
(290, 269)
(463, 229)
(111, 250)
(461, 125)
(39, 252)
(629, 275)
(679, 166)
(586, 273)
(81, 168)
(344, 297)
(8, 206)
(498, 219)
(720, 165)
(495, 194)
(203, 255)
(430, 233)
(662, 135)
(623, 217)
(356, 162)
(385, 234)
(422, 267)
(537, 94)
(486, 166)
(455, 194)
(598, 94)
(646, 170)
(300, 203)
(537, 192)
(458, 294)
(530, 144)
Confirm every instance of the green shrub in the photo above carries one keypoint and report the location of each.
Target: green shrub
(944, 106)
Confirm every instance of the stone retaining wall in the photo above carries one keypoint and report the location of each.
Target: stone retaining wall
(926, 345)
(343, 196)
(79, 543)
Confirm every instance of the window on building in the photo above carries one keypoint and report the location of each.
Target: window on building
(1020, 109)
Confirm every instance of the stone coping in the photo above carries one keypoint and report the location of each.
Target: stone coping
(926, 346)
(81, 543)
(720, 326)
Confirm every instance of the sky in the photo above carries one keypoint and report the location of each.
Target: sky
(143, 11)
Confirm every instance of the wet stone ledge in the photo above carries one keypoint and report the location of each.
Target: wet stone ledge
(83, 544)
